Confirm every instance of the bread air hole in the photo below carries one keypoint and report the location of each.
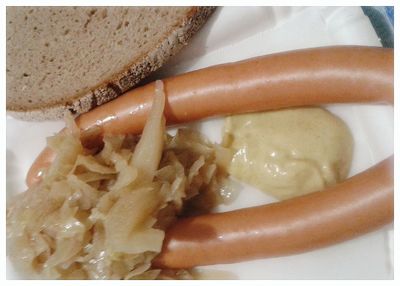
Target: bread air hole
(104, 14)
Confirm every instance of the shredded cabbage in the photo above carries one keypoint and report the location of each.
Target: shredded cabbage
(103, 215)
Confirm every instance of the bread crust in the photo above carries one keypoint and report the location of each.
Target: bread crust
(128, 78)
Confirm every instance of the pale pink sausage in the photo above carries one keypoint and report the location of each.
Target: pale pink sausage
(360, 204)
(345, 74)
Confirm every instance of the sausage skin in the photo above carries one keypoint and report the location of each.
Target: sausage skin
(343, 74)
(354, 207)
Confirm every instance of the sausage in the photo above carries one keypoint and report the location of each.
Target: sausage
(346, 74)
(356, 206)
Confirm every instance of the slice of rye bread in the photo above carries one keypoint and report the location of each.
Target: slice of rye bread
(76, 58)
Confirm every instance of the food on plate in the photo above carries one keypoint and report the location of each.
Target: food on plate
(291, 152)
(102, 214)
(317, 76)
(300, 78)
(76, 58)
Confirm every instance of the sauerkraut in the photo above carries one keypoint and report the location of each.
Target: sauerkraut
(102, 214)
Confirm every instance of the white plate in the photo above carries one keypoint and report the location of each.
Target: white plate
(236, 33)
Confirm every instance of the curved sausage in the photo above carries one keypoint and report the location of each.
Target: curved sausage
(347, 74)
(356, 206)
